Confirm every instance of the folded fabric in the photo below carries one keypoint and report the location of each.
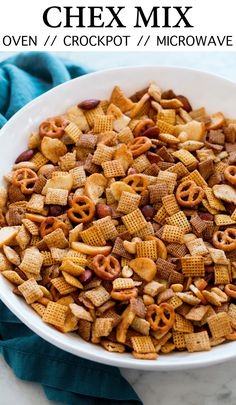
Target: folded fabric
(65, 378)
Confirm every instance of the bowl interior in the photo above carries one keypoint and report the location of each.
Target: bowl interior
(202, 89)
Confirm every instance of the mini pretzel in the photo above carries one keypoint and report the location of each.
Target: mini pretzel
(25, 179)
(124, 295)
(142, 126)
(230, 174)
(53, 128)
(82, 210)
(225, 240)
(161, 317)
(106, 267)
(189, 194)
(230, 290)
(138, 182)
(50, 224)
(139, 145)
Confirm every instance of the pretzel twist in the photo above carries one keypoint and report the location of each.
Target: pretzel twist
(138, 182)
(188, 194)
(142, 126)
(124, 295)
(106, 267)
(225, 240)
(82, 209)
(53, 128)
(25, 179)
(50, 224)
(161, 317)
(139, 145)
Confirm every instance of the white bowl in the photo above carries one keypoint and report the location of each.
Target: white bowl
(213, 92)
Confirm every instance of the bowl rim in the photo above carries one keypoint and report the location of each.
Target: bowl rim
(54, 338)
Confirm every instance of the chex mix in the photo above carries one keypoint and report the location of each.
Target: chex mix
(118, 223)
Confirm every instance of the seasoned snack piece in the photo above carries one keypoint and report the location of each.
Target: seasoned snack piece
(188, 194)
(82, 210)
(106, 267)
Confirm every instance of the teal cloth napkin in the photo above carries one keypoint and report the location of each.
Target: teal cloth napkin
(65, 378)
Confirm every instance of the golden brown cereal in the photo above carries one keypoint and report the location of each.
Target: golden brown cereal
(193, 266)
(55, 314)
(219, 325)
(30, 291)
(134, 221)
(197, 342)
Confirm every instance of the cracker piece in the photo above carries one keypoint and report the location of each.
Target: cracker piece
(197, 342)
(113, 168)
(172, 233)
(225, 192)
(182, 325)
(62, 286)
(134, 221)
(179, 219)
(222, 275)
(36, 203)
(93, 236)
(137, 307)
(218, 256)
(56, 239)
(30, 291)
(193, 266)
(103, 327)
(142, 344)
(98, 296)
(32, 261)
(55, 314)
(102, 154)
(147, 249)
(213, 201)
(145, 356)
(197, 247)
(219, 325)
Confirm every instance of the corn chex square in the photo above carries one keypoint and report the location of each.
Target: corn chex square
(30, 290)
(142, 344)
(32, 260)
(197, 342)
(219, 325)
(55, 314)
(193, 266)
(134, 221)
(128, 202)
(98, 296)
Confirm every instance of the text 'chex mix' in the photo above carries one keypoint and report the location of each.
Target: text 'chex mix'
(118, 223)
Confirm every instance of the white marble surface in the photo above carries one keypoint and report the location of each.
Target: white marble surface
(209, 386)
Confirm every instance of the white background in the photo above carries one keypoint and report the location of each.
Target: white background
(209, 17)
